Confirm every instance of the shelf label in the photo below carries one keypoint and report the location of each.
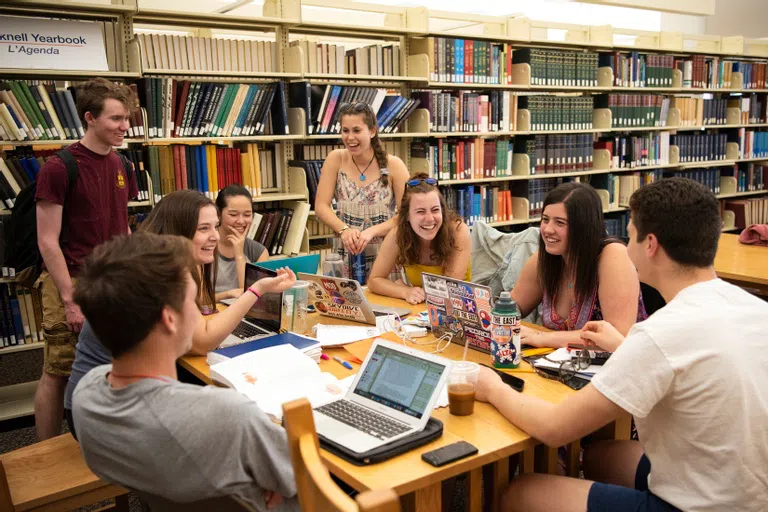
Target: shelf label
(35, 43)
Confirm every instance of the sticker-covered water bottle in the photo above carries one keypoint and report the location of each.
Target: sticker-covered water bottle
(505, 333)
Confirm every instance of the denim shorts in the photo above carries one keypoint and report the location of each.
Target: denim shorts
(615, 498)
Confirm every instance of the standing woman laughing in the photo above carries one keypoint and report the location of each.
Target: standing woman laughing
(367, 184)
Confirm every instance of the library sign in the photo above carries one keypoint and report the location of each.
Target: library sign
(30, 43)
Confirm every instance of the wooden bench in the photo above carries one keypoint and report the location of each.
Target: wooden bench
(52, 476)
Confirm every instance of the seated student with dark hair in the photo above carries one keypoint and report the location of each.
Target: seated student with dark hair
(137, 425)
(579, 273)
(694, 376)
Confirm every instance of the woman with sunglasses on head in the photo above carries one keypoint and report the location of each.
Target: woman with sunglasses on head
(367, 184)
(579, 273)
(427, 237)
(235, 206)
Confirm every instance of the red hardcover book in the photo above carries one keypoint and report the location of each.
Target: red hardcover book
(180, 108)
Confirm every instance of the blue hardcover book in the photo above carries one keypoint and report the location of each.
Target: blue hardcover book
(459, 63)
(18, 326)
(244, 109)
(205, 187)
(309, 346)
(198, 170)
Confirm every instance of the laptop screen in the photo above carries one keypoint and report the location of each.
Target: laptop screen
(266, 311)
(401, 381)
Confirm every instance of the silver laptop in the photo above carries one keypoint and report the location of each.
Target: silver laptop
(263, 319)
(393, 396)
(343, 298)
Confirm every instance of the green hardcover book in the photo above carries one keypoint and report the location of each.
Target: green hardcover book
(226, 108)
(36, 109)
(219, 115)
(36, 128)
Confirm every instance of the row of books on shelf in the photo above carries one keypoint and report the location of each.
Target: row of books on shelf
(558, 112)
(316, 228)
(700, 147)
(271, 228)
(465, 60)
(322, 104)
(701, 71)
(37, 110)
(312, 170)
(747, 211)
(465, 158)
(209, 168)
(633, 110)
(333, 59)
(464, 111)
(752, 144)
(550, 154)
(21, 315)
(629, 151)
(635, 69)
(616, 225)
(753, 108)
(480, 203)
(696, 111)
(180, 108)
(749, 176)
(197, 53)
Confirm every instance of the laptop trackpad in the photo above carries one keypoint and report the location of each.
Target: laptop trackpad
(343, 434)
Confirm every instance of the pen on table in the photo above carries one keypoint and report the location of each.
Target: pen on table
(342, 362)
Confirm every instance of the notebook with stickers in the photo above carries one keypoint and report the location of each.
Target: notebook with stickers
(343, 298)
(460, 309)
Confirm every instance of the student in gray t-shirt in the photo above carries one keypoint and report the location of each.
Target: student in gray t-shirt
(235, 205)
(89, 353)
(137, 425)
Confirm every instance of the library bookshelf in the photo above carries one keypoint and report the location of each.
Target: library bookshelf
(291, 45)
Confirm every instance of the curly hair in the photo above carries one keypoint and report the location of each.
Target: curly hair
(369, 118)
(408, 241)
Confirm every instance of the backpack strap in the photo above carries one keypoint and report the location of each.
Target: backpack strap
(71, 165)
(127, 165)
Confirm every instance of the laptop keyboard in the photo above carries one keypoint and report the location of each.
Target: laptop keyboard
(363, 419)
(245, 330)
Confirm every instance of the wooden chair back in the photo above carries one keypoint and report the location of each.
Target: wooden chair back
(317, 490)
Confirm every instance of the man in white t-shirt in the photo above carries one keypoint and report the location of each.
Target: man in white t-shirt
(694, 376)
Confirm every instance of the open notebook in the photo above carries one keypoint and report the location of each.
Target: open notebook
(275, 375)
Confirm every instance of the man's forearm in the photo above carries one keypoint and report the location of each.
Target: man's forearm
(56, 265)
(530, 414)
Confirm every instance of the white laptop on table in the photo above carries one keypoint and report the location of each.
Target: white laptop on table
(343, 298)
(392, 396)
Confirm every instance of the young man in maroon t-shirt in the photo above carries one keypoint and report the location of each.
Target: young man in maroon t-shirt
(97, 210)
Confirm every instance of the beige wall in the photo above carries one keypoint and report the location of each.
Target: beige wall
(739, 18)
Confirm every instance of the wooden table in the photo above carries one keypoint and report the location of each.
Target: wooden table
(741, 264)
(418, 483)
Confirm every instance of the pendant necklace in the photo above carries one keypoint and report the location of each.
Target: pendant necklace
(362, 173)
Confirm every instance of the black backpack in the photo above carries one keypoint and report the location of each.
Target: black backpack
(22, 251)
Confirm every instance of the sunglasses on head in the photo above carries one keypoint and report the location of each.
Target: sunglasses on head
(360, 106)
(417, 181)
